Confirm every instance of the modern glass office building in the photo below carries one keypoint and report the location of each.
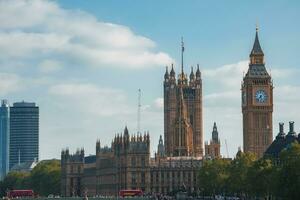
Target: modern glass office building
(4, 139)
(24, 133)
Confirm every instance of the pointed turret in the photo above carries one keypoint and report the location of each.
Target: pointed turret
(256, 55)
(126, 131)
(215, 134)
(160, 147)
(160, 140)
(256, 50)
(126, 137)
(172, 72)
(98, 147)
(167, 73)
(198, 73)
(192, 75)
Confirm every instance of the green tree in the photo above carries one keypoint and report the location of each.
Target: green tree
(45, 178)
(15, 180)
(213, 176)
(261, 178)
(289, 174)
(238, 181)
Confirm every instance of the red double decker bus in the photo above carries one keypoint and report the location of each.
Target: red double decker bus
(130, 193)
(20, 193)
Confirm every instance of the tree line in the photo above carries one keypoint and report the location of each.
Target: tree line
(244, 176)
(44, 179)
(248, 177)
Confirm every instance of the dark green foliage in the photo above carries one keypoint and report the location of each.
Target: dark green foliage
(14, 180)
(289, 174)
(213, 176)
(238, 179)
(245, 176)
(44, 179)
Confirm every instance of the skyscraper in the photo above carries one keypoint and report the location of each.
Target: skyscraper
(24, 133)
(257, 103)
(183, 122)
(4, 139)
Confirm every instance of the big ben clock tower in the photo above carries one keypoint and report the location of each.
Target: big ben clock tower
(257, 103)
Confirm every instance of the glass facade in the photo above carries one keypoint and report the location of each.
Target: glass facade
(24, 133)
(4, 139)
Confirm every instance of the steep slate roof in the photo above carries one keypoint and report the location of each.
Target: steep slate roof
(257, 70)
(256, 50)
(282, 141)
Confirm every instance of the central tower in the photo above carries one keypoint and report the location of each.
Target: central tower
(183, 123)
(257, 103)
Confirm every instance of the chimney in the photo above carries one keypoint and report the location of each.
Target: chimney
(291, 128)
(281, 128)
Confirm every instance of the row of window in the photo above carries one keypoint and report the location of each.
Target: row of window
(134, 161)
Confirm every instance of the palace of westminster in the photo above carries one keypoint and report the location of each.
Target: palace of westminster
(127, 163)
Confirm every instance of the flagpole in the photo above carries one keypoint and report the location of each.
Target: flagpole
(182, 50)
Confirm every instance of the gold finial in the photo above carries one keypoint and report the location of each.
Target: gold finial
(256, 26)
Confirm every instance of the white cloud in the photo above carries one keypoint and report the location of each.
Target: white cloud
(50, 66)
(279, 73)
(9, 83)
(39, 38)
(42, 30)
(91, 100)
(227, 75)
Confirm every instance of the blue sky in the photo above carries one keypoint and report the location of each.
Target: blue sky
(206, 26)
(83, 62)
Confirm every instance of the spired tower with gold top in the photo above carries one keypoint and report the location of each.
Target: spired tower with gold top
(257, 103)
(183, 122)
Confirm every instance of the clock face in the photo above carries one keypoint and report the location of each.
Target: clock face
(261, 96)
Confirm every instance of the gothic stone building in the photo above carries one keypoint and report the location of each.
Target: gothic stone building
(257, 103)
(212, 149)
(183, 123)
(126, 165)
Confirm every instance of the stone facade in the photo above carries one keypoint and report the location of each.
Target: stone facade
(257, 104)
(183, 122)
(72, 168)
(126, 165)
(212, 149)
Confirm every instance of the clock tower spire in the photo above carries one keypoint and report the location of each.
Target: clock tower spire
(256, 55)
(257, 103)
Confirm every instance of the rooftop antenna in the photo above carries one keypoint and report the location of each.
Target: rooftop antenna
(139, 112)
(226, 148)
